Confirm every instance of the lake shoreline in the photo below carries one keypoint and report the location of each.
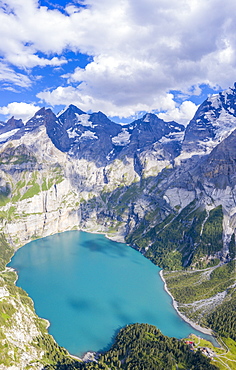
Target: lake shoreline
(75, 357)
(186, 319)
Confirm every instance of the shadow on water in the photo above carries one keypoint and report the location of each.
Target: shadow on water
(95, 246)
(120, 313)
(104, 246)
(112, 340)
(80, 304)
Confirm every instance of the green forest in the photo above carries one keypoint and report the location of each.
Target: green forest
(223, 318)
(181, 240)
(188, 287)
(144, 347)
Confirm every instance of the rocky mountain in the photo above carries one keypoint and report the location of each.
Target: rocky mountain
(96, 138)
(160, 167)
(213, 122)
(166, 190)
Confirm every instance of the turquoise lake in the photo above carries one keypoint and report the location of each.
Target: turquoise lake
(88, 287)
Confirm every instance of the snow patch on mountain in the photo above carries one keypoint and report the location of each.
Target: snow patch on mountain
(110, 155)
(215, 102)
(122, 139)
(214, 121)
(177, 136)
(7, 135)
(147, 118)
(88, 135)
(83, 119)
(225, 124)
(72, 133)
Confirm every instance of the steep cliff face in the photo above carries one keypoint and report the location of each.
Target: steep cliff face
(167, 191)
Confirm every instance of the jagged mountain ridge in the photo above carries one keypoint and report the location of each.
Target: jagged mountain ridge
(94, 136)
(74, 131)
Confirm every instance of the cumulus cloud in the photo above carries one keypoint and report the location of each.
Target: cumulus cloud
(141, 50)
(27, 29)
(182, 113)
(85, 101)
(19, 110)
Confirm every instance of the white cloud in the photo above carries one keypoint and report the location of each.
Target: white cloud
(8, 75)
(181, 114)
(27, 29)
(141, 50)
(19, 110)
(25, 60)
(85, 101)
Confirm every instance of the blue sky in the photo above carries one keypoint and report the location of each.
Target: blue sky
(122, 57)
